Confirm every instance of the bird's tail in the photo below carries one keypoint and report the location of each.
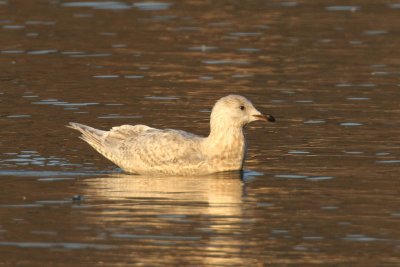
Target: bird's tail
(89, 134)
(94, 137)
(99, 140)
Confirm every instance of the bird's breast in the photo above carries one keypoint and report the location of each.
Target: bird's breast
(227, 153)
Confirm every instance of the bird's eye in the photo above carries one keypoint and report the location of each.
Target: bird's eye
(242, 107)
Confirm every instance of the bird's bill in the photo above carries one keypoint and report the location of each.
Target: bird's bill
(262, 117)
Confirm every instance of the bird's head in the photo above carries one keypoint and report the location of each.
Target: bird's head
(236, 110)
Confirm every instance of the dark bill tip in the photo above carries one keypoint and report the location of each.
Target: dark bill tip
(268, 117)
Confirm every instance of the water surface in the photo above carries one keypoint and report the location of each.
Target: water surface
(320, 186)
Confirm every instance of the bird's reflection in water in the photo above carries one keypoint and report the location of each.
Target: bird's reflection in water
(222, 191)
(202, 212)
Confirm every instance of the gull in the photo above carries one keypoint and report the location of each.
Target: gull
(140, 149)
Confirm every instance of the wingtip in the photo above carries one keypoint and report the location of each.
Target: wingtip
(69, 125)
(72, 125)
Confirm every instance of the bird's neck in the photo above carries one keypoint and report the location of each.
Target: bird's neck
(226, 148)
(226, 138)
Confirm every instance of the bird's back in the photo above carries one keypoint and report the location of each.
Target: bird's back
(144, 150)
(162, 151)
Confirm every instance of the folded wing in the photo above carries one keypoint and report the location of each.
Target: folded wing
(142, 149)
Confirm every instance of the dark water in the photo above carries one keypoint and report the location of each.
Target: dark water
(320, 187)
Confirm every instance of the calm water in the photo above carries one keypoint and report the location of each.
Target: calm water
(320, 186)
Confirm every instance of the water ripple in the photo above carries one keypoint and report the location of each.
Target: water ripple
(112, 5)
(152, 6)
(343, 8)
(60, 245)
